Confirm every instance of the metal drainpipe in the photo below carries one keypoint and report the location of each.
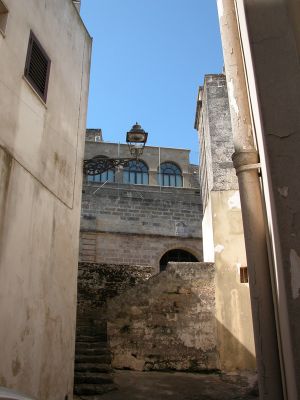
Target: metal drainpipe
(245, 160)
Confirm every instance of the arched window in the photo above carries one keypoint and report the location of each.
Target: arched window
(107, 176)
(136, 172)
(169, 175)
(176, 255)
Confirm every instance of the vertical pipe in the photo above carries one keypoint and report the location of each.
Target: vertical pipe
(245, 161)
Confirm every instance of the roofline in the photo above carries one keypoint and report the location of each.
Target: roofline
(124, 144)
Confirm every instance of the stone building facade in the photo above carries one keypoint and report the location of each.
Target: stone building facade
(43, 101)
(223, 235)
(142, 221)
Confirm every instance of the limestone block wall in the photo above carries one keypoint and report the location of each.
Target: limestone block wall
(146, 210)
(134, 249)
(167, 322)
(122, 225)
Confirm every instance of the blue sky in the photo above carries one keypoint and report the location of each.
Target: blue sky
(149, 57)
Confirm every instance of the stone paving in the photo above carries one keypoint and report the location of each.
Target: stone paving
(134, 385)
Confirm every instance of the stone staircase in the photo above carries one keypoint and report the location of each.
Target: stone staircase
(93, 372)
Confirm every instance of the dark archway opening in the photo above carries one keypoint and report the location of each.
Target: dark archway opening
(176, 255)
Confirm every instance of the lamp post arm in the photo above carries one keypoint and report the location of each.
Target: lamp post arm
(98, 165)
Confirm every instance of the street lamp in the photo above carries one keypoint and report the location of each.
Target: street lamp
(136, 139)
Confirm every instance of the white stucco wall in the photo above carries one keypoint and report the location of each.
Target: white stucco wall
(41, 150)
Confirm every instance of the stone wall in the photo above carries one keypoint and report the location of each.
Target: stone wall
(215, 137)
(99, 282)
(144, 210)
(133, 249)
(167, 322)
(142, 223)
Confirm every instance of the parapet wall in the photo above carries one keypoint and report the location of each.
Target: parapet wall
(143, 210)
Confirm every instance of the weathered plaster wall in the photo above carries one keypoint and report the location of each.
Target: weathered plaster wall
(166, 323)
(273, 29)
(41, 148)
(143, 223)
(233, 309)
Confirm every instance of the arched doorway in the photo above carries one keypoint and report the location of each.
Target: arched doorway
(176, 255)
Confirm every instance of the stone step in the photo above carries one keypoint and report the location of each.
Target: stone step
(97, 359)
(95, 396)
(92, 367)
(97, 378)
(93, 351)
(99, 324)
(91, 389)
(90, 338)
(90, 345)
(91, 331)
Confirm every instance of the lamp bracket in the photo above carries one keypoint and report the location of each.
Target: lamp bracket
(98, 165)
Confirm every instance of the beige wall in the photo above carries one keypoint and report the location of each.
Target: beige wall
(233, 312)
(41, 148)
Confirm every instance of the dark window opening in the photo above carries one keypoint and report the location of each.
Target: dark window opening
(107, 176)
(169, 175)
(37, 68)
(244, 275)
(3, 17)
(176, 255)
(136, 172)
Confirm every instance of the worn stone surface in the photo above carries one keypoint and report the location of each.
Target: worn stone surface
(135, 385)
(215, 137)
(166, 323)
(99, 282)
(96, 284)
